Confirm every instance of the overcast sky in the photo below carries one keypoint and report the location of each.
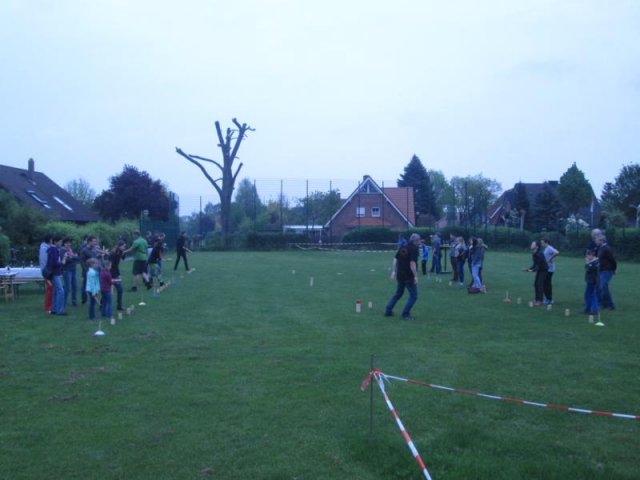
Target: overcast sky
(514, 90)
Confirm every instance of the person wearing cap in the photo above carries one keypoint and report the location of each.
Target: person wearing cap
(405, 272)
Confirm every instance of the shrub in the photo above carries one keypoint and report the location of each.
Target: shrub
(371, 235)
(5, 253)
(273, 240)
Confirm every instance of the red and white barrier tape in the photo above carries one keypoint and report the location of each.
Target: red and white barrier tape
(377, 376)
(507, 399)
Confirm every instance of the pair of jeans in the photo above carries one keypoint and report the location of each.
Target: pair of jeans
(460, 268)
(412, 288)
(604, 295)
(105, 304)
(48, 295)
(454, 268)
(118, 287)
(182, 255)
(58, 295)
(547, 288)
(538, 285)
(85, 295)
(435, 263)
(591, 299)
(70, 278)
(475, 273)
(92, 306)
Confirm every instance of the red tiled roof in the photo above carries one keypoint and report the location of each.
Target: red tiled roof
(402, 197)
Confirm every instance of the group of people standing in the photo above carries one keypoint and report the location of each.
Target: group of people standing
(461, 253)
(600, 266)
(100, 269)
(543, 254)
(58, 265)
(405, 266)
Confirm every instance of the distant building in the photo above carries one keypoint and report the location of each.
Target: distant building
(39, 192)
(372, 206)
(500, 210)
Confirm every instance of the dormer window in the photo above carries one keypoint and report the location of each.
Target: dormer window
(42, 202)
(61, 202)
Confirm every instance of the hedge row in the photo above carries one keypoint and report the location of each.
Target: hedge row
(107, 234)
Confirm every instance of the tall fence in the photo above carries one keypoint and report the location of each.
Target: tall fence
(278, 205)
(304, 206)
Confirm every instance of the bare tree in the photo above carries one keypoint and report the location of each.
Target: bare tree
(229, 145)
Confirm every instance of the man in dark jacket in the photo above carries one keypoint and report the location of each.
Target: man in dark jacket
(539, 266)
(405, 271)
(608, 266)
(181, 251)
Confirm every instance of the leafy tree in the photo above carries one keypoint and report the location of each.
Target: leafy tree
(199, 223)
(442, 192)
(521, 202)
(474, 194)
(416, 176)
(318, 207)
(624, 193)
(81, 191)
(131, 193)
(22, 224)
(229, 145)
(248, 199)
(269, 220)
(574, 190)
(546, 211)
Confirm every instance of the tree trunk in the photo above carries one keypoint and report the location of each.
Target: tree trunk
(225, 190)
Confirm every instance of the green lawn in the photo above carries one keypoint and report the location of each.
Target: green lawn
(243, 370)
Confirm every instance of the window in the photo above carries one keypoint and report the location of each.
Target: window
(360, 212)
(62, 203)
(38, 199)
(375, 211)
(367, 187)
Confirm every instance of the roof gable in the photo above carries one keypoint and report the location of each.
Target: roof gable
(41, 193)
(369, 186)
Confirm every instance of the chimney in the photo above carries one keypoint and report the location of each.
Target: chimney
(31, 168)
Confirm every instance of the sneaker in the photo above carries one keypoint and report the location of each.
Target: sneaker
(134, 289)
(388, 314)
(407, 317)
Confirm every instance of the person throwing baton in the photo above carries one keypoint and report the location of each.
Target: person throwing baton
(405, 272)
(181, 251)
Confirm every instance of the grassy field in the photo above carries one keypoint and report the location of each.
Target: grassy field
(243, 370)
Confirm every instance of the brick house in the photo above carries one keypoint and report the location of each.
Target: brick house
(372, 206)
